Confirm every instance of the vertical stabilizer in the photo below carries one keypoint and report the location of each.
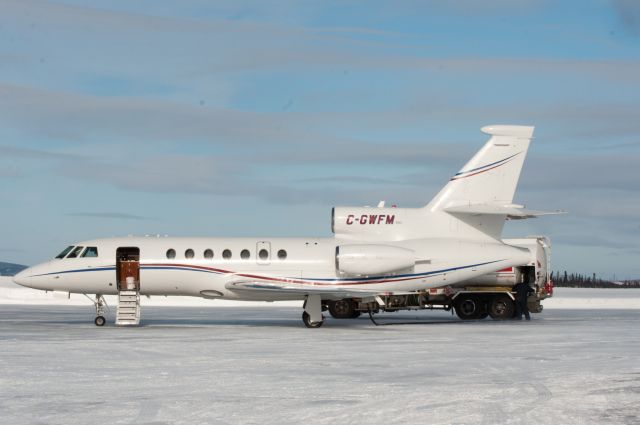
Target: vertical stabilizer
(491, 176)
(488, 180)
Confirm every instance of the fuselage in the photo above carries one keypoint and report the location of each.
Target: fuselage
(203, 267)
(374, 253)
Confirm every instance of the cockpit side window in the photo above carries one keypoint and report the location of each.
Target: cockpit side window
(75, 252)
(91, 251)
(65, 252)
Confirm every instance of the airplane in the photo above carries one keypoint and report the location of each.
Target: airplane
(379, 250)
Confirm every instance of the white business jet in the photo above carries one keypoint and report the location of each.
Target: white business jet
(375, 251)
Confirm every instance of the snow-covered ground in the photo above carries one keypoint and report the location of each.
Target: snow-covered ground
(190, 365)
(594, 298)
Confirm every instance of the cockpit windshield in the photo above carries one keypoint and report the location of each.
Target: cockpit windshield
(75, 252)
(91, 251)
(65, 252)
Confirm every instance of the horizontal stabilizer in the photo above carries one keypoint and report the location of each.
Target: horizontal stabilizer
(512, 212)
(330, 291)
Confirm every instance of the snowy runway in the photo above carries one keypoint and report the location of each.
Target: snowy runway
(260, 365)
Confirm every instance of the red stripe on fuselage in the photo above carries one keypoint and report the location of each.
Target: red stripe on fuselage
(287, 280)
(478, 172)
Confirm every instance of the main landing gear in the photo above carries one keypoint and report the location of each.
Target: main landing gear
(312, 316)
(308, 323)
(100, 304)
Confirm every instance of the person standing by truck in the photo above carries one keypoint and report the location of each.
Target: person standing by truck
(522, 290)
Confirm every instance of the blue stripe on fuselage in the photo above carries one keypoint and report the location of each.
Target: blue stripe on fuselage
(335, 280)
(486, 166)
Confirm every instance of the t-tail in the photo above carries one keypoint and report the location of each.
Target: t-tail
(474, 204)
(481, 194)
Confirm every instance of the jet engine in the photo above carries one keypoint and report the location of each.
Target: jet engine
(366, 260)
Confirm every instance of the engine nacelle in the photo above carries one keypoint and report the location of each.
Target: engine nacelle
(366, 260)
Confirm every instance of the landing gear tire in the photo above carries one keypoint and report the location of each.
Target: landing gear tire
(308, 323)
(343, 309)
(468, 307)
(501, 308)
(100, 321)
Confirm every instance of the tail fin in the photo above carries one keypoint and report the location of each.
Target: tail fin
(491, 176)
(484, 188)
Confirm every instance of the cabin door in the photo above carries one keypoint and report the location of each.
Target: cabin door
(128, 268)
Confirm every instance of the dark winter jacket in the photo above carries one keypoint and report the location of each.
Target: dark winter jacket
(523, 291)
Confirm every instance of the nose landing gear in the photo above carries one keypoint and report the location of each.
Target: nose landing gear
(100, 304)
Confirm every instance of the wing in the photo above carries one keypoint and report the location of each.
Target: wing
(327, 291)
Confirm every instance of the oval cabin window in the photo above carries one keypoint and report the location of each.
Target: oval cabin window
(208, 254)
(245, 254)
(226, 254)
(171, 254)
(282, 254)
(263, 254)
(189, 253)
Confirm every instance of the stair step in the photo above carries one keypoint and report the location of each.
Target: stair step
(127, 323)
(128, 312)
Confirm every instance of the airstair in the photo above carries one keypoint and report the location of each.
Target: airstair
(128, 313)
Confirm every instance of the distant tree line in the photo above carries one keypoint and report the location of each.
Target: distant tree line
(578, 280)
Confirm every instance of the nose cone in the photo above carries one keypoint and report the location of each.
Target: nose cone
(23, 278)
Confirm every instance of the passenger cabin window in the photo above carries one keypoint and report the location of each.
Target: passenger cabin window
(65, 252)
(208, 254)
(90, 252)
(226, 254)
(282, 254)
(263, 254)
(189, 253)
(75, 252)
(171, 254)
(245, 254)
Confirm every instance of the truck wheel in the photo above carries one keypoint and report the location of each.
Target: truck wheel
(501, 308)
(343, 309)
(468, 307)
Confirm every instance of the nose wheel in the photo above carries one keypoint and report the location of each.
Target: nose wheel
(100, 304)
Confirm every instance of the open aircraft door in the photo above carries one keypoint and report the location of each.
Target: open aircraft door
(128, 268)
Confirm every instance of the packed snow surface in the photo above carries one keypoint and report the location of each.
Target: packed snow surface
(202, 365)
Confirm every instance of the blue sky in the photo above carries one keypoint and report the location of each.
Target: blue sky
(252, 118)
